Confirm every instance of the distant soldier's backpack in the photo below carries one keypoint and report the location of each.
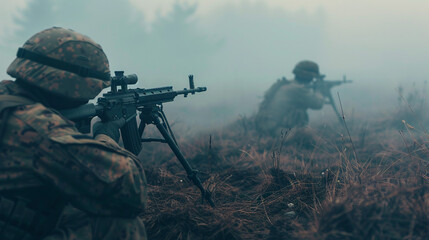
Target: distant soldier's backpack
(269, 94)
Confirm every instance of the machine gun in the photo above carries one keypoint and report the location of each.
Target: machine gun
(324, 86)
(127, 103)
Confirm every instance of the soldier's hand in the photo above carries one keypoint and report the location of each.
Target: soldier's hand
(110, 128)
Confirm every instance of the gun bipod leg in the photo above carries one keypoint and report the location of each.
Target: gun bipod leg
(142, 126)
(192, 174)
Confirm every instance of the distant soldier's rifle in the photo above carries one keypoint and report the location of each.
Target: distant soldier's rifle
(324, 87)
(127, 103)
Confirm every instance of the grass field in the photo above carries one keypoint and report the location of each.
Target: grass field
(318, 183)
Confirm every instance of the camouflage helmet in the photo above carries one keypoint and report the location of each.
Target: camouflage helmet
(306, 69)
(64, 63)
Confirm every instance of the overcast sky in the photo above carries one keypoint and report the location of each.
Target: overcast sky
(238, 48)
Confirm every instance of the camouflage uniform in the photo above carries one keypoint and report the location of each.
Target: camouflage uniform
(45, 159)
(285, 105)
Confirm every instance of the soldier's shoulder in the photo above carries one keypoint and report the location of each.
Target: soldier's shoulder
(291, 84)
(44, 120)
(276, 86)
(5, 86)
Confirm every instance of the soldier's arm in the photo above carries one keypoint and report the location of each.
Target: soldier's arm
(96, 175)
(315, 100)
(305, 97)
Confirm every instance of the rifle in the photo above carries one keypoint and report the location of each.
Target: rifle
(324, 86)
(127, 103)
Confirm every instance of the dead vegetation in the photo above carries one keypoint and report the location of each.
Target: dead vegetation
(282, 188)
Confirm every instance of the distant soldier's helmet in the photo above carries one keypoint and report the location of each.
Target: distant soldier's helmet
(64, 63)
(306, 69)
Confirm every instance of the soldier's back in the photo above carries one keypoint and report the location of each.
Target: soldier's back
(286, 107)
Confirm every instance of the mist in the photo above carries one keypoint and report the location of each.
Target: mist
(237, 49)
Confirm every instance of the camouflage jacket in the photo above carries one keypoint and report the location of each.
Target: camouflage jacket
(287, 107)
(39, 147)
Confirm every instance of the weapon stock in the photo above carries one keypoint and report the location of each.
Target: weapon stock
(147, 103)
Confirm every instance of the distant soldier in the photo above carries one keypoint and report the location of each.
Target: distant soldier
(286, 102)
(56, 183)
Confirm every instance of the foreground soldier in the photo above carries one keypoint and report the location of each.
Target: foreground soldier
(285, 104)
(46, 165)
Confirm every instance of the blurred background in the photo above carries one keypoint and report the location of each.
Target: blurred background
(238, 48)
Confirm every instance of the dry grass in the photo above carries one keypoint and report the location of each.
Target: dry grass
(313, 187)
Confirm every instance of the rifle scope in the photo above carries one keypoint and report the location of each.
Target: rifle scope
(120, 80)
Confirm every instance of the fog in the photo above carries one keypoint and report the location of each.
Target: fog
(238, 48)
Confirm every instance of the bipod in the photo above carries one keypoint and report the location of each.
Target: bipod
(155, 115)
